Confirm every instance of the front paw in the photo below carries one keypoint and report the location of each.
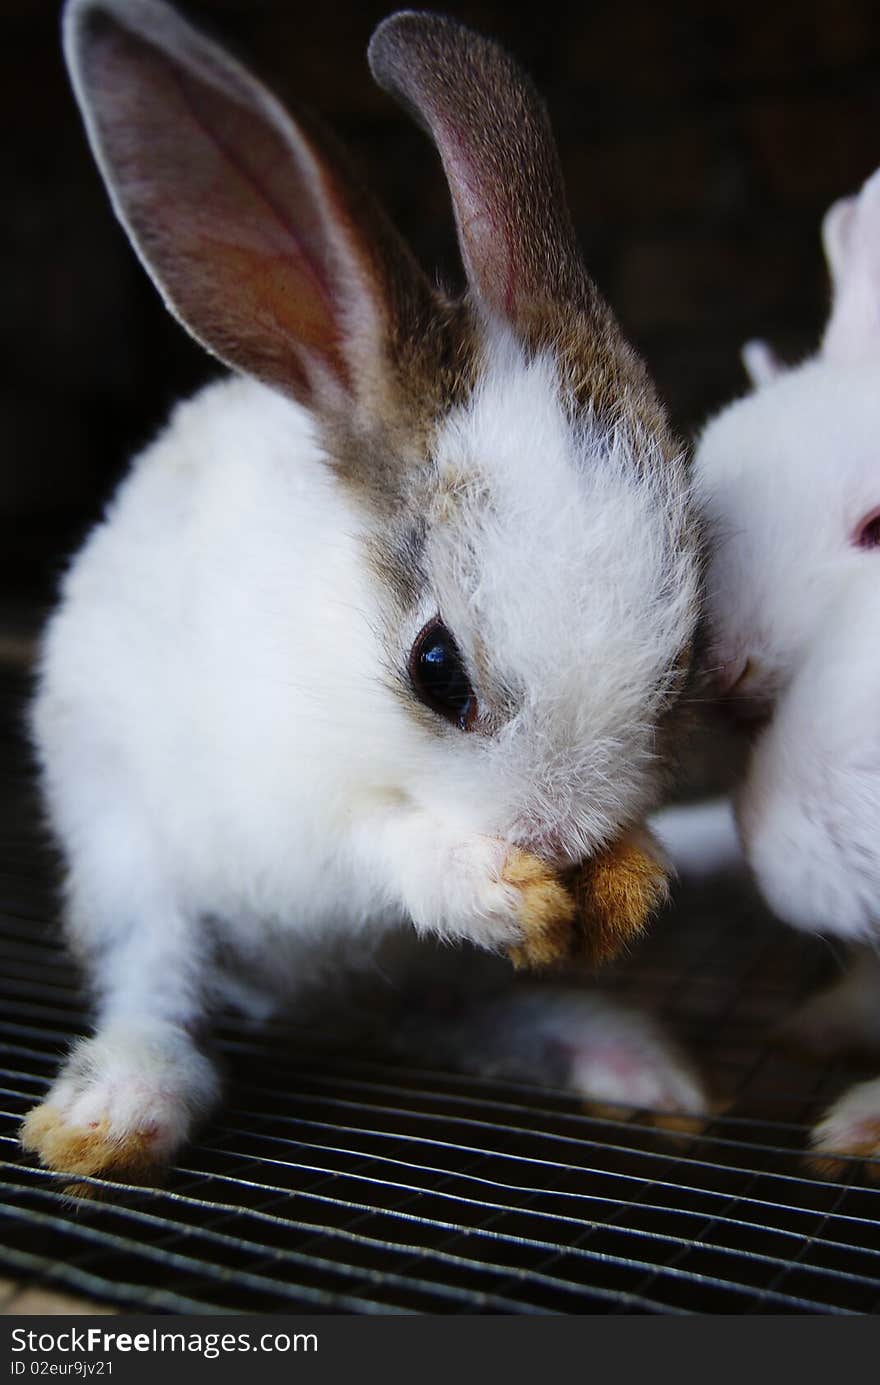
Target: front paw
(499, 898)
(545, 912)
(508, 900)
(122, 1106)
(594, 911)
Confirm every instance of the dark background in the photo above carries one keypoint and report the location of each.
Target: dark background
(701, 144)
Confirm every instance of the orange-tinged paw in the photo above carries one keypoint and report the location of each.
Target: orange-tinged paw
(616, 894)
(92, 1149)
(849, 1131)
(547, 912)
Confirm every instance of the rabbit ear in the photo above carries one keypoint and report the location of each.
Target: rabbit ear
(851, 238)
(761, 363)
(257, 238)
(836, 232)
(493, 134)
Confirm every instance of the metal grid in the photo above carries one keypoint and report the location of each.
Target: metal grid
(339, 1182)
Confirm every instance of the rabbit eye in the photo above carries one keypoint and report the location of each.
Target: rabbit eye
(867, 534)
(438, 676)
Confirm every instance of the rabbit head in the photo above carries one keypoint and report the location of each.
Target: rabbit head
(789, 479)
(526, 513)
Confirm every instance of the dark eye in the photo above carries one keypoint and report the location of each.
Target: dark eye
(867, 534)
(438, 676)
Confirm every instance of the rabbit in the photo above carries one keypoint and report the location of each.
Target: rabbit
(387, 634)
(788, 479)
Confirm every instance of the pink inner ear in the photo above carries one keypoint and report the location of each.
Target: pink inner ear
(867, 532)
(486, 232)
(243, 226)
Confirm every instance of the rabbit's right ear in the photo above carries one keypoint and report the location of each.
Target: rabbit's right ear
(851, 239)
(493, 134)
(258, 239)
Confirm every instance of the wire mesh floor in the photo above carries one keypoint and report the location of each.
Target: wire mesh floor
(345, 1182)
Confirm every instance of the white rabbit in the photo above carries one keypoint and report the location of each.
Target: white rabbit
(789, 480)
(388, 630)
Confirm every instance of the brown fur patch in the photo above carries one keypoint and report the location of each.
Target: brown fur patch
(87, 1150)
(380, 449)
(547, 913)
(600, 372)
(592, 911)
(616, 894)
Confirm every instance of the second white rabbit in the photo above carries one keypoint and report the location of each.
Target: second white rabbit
(789, 481)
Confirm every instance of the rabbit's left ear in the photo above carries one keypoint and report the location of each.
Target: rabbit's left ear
(851, 239)
(257, 235)
(761, 363)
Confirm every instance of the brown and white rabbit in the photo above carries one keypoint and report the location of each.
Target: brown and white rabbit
(789, 480)
(389, 629)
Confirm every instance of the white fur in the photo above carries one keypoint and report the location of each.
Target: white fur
(223, 760)
(225, 618)
(852, 1126)
(141, 1080)
(576, 576)
(784, 477)
(761, 363)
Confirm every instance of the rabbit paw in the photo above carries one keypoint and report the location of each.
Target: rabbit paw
(502, 899)
(639, 1073)
(122, 1106)
(850, 1130)
(607, 1055)
(545, 910)
(596, 910)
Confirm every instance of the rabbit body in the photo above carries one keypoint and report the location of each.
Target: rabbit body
(225, 561)
(788, 480)
(263, 598)
(251, 781)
